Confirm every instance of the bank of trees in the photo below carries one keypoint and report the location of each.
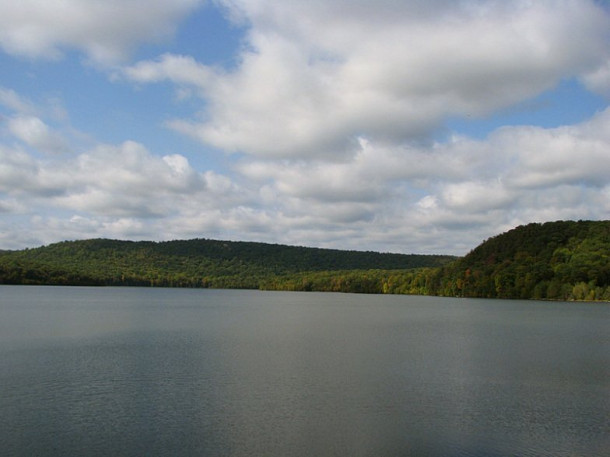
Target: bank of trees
(564, 260)
(373, 281)
(192, 263)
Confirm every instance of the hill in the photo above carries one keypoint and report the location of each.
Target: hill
(190, 263)
(563, 260)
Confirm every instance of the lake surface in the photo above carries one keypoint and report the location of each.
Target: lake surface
(179, 372)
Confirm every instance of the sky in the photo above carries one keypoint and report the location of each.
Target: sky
(413, 126)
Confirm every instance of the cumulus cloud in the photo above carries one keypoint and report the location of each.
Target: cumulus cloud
(35, 133)
(389, 71)
(182, 70)
(128, 181)
(575, 155)
(17, 170)
(106, 31)
(10, 99)
(441, 198)
(123, 181)
(334, 109)
(599, 80)
(472, 187)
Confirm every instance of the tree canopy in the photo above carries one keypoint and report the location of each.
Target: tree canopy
(563, 260)
(187, 263)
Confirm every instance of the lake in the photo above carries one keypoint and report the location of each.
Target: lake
(182, 372)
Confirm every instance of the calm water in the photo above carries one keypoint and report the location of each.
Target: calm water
(170, 372)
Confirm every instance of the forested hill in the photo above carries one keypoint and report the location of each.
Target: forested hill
(190, 263)
(563, 260)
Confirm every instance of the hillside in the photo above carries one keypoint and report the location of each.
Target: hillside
(563, 260)
(192, 263)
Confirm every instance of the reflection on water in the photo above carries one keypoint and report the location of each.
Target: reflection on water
(89, 371)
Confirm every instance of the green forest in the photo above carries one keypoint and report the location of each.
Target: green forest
(191, 263)
(563, 260)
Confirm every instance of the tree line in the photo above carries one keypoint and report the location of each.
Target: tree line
(188, 263)
(563, 260)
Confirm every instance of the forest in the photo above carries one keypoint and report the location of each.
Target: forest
(562, 260)
(190, 263)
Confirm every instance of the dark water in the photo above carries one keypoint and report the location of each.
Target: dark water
(161, 372)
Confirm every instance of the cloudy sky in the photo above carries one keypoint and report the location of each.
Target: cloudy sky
(414, 126)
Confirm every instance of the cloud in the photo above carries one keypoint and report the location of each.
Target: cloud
(106, 31)
(35, 133)
(123, 181)
(575, 155)
(387, 71)
(182, 70)
(474, 188)
(445, 197)
(599, 80)
(127, 181)
(17, 170)
(335, 110)
(476, 197)
(10, 99)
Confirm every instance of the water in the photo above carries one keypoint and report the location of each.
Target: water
(177, 372)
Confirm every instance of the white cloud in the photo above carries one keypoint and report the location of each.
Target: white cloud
(389, 71)
(331, 106)
(599, 80)
(443, 197)
(183, 70)
(14, 102)
(463, 190)
(128, 181)
(566, 155)
(35, 133)
(124, 181)
(398, 204)
(107, 31)
(17, 170)
(476, 197)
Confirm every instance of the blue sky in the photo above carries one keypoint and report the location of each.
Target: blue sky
(414, 126)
